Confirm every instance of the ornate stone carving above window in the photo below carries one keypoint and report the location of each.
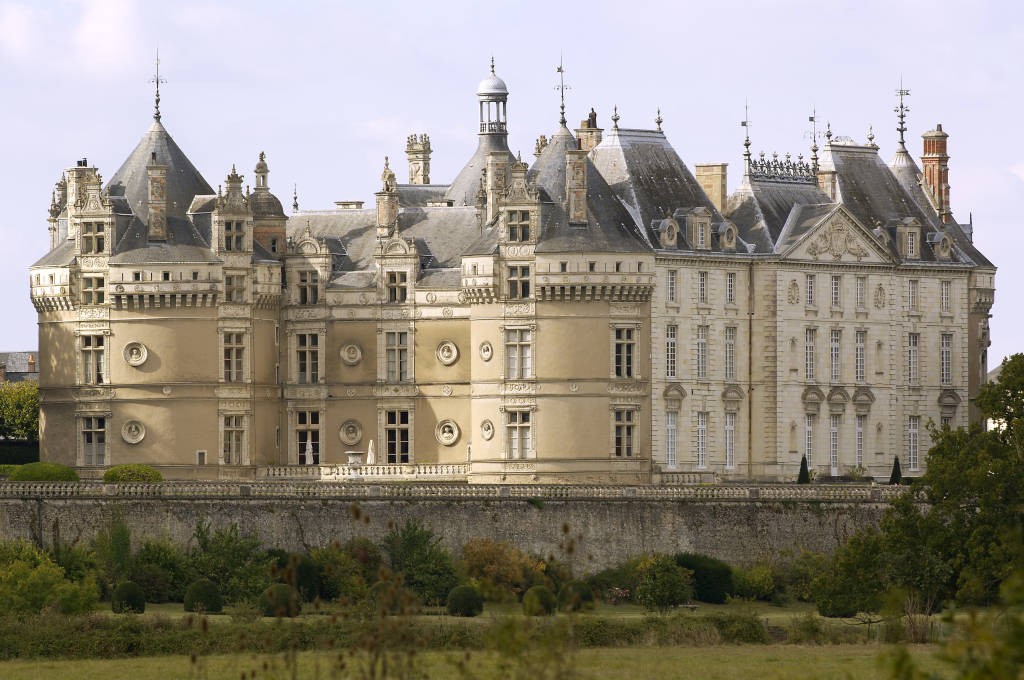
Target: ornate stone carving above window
(812, 399)
(350, 432)
(863, 398)
(447, 352)
(732, 395)
(135, 353)
(838, 397)
(133, 432)
(487, 430)
(351, 354)
(447, 432)
(949, 400)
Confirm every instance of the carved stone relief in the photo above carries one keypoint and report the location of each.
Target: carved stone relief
(135, 353)
(133, 432)
(486, 351)
(351, 354)
(879, 297)
(487, 430)
(793, 292)
(447, 352)
(350, 432)
(447, 432)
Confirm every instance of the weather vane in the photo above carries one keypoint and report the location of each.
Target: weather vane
(561, 87)
(746, 122)
(157, 80)
(901, 111)
(815, 135)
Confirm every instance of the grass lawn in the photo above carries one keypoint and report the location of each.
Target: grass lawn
(765, 662)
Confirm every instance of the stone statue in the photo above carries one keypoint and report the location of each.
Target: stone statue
(371, 454)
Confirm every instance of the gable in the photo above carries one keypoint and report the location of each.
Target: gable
(835, 237)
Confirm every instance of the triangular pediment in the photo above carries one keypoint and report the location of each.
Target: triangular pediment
(833, 235)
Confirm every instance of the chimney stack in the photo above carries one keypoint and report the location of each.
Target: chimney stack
(935, 166)
(588, 135)
(576, 186)
(387, 204)
(417, 149)
(712, 179)
(157, 199)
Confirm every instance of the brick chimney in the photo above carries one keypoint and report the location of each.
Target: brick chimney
(935, 165)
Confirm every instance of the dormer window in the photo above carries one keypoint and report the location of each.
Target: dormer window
(397, 286)
(92, 237)
(519, 225)
(309, 288)
(233, 236)
(702, 235)
(911, 244)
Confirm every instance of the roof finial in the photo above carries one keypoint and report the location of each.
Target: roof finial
(901, 112)
(659, 120)
(615, 117)
(157, 80)
(492, 64)
(871, 137)
(561, 87)
(813, 120)
(828, 131)
(745, 123)
(295, 199)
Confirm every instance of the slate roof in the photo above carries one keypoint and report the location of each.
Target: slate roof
(648, 176)
(464, 187)
(418, 195)
(61, 256)
(802, 219)
(760, 208)
(16, 365)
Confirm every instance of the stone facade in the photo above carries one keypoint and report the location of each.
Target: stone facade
(602, 316)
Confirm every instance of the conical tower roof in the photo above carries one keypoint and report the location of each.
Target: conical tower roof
(184, 182)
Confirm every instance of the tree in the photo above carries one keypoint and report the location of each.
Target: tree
(426, 567)
(19, 410)
(896, 476)
(804, 477)
(663, 584)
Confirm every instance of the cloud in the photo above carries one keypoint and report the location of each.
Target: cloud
(1018, 171)
(19, 30)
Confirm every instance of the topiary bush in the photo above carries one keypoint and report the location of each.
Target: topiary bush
(202, 596)
(280, 599)
(539, 601)
(43, 472)
(712, 579)
(128, 598)
(465, 601)
(575, 596)
(804, 476)
(120, 474)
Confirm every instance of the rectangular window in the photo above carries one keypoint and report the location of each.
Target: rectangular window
(672, 278)
(730, 440)
(92, 238)
(397, 290)
(309, 287)
(234, 435)
(809, 438)
(234, 354)
(730, 288)
(833, 443)
(671, 334)
(862, 286)
(233, 236)
(624, 430)
(837, 291)
(912, 295)
(810, 290)
(835, 338)
(518, 282)
(518, 433)
(913, 345)
(861, 422)
(946, 359)
(810, 339)
(92, 290)
(701, 235)
(396, 435)
(702, 439)
(307, 437)
(913, 429)
(945, 293)
(702, 287)
(94, 360)
(518, 353)
(859, 355)
(625, 347)
(670, 439)
(234, 288)
(308, 357)
(730, 352)
(702, 351)
(911, 244)
(396, 354)
(518, 225)
(562, 267)
(94, 440)
(945, 421)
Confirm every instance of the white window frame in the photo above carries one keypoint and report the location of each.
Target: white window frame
(90, 429)
(730, 288)
(624, 424)
(518, 352)
(702, 352)
(93, 289)
(809, 421)
(702, 287)
(810, 340)
(913, 358)
(671, 439)
(394, 427)
(834, 423)
(308, 435)
(730, 352)
(233, 439)
(671, 285)
(945, 295)
(518, 434)
(307, 356)
(671, 350)
(913, 442)
(702, 440)
(624, 352)
(835, 353)
(93, 358)
(862, 420)
(946, 359)
(397, 284)
(809, 283)
(518, 281)
(837, 290)
(396, 356)
(913, 294)
(862, 285)
(233, 345)
(860, 355)
(730, 440)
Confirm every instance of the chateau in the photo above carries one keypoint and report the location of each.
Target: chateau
(596, 314)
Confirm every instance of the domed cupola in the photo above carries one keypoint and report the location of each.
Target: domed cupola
(262, 202)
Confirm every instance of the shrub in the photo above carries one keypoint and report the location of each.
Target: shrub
(794, 575)
(755, 583)
(30, 582)
(162, 570)
(300, 572)
(539, 601)
(128, 598)
(663, 584)
(501, 572)
(280, 599)
(132, 473)
(390, 597)
(804, 476)
(7, 469)
(43, 472)
(712, 579)
(575, 596)
(112, 547)
(367, 555)
(237, 564)
(617, 584)
(465, 601)
(426, 567)
(340, 575)
(202, 596)
(745, 627)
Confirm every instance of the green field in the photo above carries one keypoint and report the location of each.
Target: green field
(727, 662)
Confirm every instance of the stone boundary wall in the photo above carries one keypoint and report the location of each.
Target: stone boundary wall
(592, 527)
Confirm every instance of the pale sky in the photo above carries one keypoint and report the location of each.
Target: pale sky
(328, 89)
